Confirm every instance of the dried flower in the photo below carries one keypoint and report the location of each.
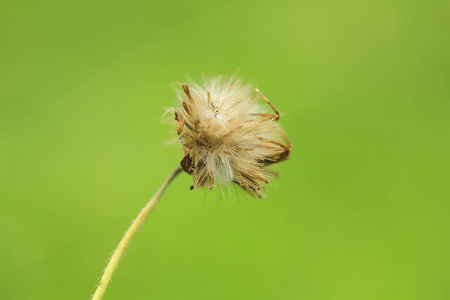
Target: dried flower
(226, 137)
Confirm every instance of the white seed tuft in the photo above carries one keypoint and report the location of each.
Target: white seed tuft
(226, 137)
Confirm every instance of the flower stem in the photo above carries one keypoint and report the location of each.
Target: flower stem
(137, 223)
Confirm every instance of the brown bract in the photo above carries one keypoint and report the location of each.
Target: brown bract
(225, 135)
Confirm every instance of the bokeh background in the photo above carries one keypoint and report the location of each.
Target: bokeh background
(361, 210)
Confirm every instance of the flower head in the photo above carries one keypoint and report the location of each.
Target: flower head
(226, 137)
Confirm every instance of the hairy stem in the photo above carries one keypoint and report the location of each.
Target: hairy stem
(137, 223)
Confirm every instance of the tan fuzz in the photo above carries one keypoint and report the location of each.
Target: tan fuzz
(225, 137)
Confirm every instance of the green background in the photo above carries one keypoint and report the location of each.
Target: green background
(361, 210)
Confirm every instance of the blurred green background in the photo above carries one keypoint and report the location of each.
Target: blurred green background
(361, 210)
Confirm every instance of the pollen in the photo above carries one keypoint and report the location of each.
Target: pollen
(227, 136)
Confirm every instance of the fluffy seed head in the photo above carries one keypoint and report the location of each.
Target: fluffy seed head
(225, 135)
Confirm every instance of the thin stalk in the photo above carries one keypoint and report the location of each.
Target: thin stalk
(137, 223)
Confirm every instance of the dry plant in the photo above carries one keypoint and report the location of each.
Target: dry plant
(226, 138)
